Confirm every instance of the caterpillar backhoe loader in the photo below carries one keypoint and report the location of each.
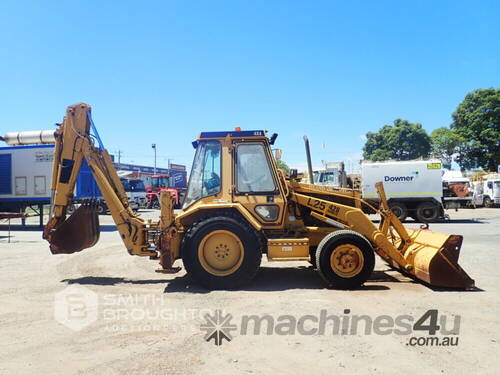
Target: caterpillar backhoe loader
(239, 206)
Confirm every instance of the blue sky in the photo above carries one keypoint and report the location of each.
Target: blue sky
(162, 71)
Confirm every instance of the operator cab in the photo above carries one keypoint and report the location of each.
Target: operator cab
(239, 163)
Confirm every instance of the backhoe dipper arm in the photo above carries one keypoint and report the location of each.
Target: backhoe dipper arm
(73, 143)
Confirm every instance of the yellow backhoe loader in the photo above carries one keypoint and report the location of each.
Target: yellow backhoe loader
(239, 206)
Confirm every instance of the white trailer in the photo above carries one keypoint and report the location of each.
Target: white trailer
(26, 173)
(26, 177)
(413, 188)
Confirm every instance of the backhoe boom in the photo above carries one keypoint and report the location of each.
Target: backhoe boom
(73, 143)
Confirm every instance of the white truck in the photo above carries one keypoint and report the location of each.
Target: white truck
(333, 175)
(413, 188)
(457, 190)
(487, 190)
(136, 192)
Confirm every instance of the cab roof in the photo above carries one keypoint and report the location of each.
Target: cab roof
(232, 134)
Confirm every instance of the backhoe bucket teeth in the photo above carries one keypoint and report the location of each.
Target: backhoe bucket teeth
(434, 259)
(78, 232)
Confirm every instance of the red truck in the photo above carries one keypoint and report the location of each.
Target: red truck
(159, 183)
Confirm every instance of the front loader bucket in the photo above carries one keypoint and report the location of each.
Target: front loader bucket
(434, 259)
(78, 232)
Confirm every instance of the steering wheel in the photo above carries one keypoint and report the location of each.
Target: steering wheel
(213, 183)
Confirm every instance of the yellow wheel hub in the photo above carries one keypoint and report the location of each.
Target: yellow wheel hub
(221, 252)
(347, 260)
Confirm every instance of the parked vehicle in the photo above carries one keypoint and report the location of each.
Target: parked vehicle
(413, 188)
(239, 207)
(165, 182)
(26, 176)
(457, 190)
(487, 190)
(136, 192)
(333, 175)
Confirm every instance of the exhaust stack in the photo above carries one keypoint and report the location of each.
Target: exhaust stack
(309, 162)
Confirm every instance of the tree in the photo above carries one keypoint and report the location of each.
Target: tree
(444, 144)
(401, 141)
(280, 164)
(477, 121)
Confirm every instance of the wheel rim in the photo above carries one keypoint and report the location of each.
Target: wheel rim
(347, 260)
(428, 212)
(221, 252)
(397, 211)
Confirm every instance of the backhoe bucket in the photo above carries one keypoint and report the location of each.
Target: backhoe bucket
(434, 259)
(78, 232)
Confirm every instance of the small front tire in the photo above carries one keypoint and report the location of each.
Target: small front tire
(345, 259)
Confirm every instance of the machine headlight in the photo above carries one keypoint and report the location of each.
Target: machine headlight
(268, 212)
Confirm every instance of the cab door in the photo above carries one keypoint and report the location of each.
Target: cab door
(256, 185)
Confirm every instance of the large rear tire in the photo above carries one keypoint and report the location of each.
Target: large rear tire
(427, 212)
(399, 209)
(221, 252)
(155, 204)
(487, 202)
(345, 259)
(101, 209)
(70, 209)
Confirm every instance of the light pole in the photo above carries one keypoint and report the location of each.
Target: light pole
(153, 146)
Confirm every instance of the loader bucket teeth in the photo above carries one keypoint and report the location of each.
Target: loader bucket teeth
(77, 232)
(434, 257)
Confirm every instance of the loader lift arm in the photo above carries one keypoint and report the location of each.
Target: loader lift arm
(73, 144)
(428, 256)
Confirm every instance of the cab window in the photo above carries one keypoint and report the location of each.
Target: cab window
(253, 173)
(205, 176)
